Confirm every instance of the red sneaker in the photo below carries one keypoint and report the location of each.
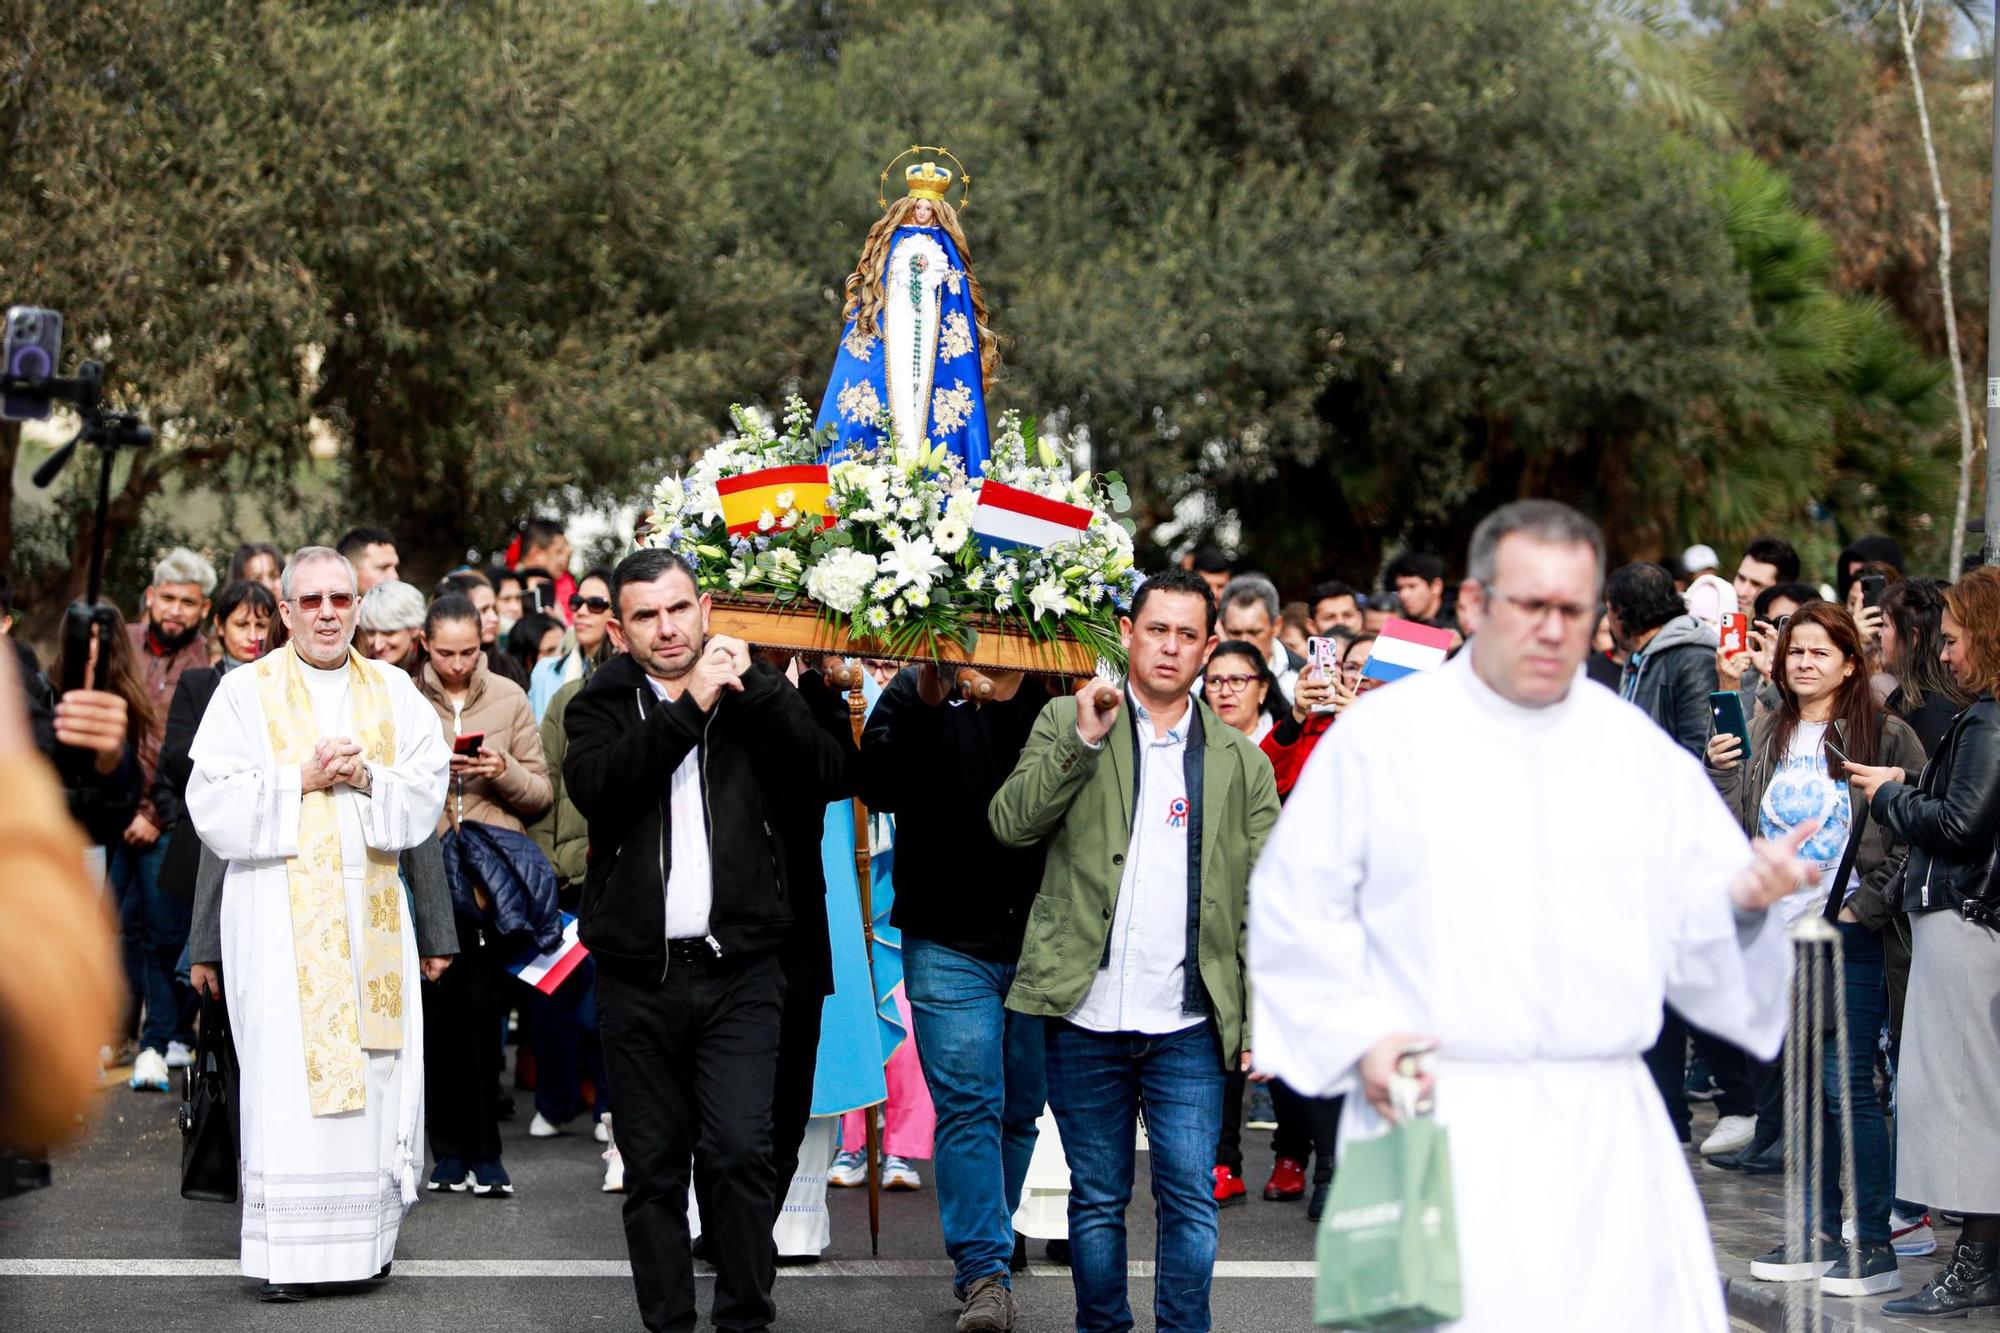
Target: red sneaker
(1228, 1187)
(1287, 1182)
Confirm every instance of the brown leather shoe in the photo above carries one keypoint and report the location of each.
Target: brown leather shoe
(989, 1307)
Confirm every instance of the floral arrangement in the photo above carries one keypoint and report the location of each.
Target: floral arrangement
(900, 563)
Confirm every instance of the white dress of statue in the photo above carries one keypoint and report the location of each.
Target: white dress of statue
(910, 332)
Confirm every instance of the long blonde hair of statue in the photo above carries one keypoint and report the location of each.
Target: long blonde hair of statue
(865, 296)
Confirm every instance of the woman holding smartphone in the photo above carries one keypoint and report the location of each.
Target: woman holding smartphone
(1948, 1087)
(1827, 714)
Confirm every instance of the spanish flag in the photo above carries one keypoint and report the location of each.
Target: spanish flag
(774, 491)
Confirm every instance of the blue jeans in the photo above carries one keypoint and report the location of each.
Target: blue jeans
(153, 930)
(983, 1065)
(565, 1027)
(1874, 1168)
(1097, 1083)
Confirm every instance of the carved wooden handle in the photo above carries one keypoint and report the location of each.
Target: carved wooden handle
(974, 685)
(843, 674)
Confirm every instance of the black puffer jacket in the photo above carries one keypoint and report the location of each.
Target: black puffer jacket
(1950, 817)
(755, 746)
(1671, 679)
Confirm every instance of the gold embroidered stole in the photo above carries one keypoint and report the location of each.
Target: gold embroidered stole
(338, 1025)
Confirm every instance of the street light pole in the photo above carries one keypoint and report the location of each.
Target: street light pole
(1992, 536)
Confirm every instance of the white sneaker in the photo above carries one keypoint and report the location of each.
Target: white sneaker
(613, 1159)
(898, 1174)
(149, 1072)
(1731, 1133)
(178, 1055)
(849, 1169)
(541, 1128)
(1909, 1239)
(601, 1131)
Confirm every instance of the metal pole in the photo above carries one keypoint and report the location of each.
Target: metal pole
(1991, 544)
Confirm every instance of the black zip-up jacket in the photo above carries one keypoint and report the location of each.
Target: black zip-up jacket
(936, 770)
(1950, 818)
(755, 746)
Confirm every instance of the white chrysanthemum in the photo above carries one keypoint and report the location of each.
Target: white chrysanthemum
(950, 534)
(840, 579)
(975, 581)
(915, 563)
(766, 521)
(877, 618)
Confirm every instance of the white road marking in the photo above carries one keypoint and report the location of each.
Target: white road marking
(595, 1268)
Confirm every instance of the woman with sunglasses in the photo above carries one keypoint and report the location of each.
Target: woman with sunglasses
(1827, 715)
(585, 646)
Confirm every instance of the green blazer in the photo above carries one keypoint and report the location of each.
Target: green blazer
(1080, 800)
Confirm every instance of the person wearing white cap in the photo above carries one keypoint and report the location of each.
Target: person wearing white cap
(1700, 559)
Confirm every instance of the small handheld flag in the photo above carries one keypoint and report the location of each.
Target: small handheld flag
(747, 498)
(547, 971)
(1404, 647)
(1007, 517)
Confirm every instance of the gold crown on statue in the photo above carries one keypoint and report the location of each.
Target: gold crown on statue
(928, 180)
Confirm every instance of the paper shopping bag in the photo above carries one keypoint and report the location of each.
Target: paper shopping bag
(1388, 1243)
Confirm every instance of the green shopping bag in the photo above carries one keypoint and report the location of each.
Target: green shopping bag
(1388, 1242)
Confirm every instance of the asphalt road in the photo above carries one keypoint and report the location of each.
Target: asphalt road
(113, 1246)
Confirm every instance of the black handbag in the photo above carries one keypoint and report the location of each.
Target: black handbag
(208, 1110)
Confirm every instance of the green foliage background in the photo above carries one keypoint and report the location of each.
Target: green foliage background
(1345, 271)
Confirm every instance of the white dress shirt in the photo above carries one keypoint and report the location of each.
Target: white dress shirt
(690, 884)
(1144, 985)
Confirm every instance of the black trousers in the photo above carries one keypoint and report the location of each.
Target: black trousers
(461, 1044)
(792, 1091)
(694, 1059)
(1306, 1126)
(1667, 1062)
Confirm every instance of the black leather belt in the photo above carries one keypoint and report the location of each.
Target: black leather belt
(692, 949)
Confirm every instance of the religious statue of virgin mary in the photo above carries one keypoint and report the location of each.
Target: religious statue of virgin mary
(916, 345)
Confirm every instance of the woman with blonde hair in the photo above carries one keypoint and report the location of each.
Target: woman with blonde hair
(1948, 1088)
(916, 348)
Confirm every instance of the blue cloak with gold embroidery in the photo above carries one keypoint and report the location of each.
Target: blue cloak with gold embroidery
(954, 409)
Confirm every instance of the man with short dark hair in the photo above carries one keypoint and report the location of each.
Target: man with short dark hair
(1417, 579)
(1336, 605)
(372, 552)
(1214, 566)
(1151, 817)
(1767, 561)
(683, 751)
(545, 545)
(1671, 672)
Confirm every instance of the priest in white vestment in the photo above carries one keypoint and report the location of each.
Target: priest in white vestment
(312, 770)
(1502, 857)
